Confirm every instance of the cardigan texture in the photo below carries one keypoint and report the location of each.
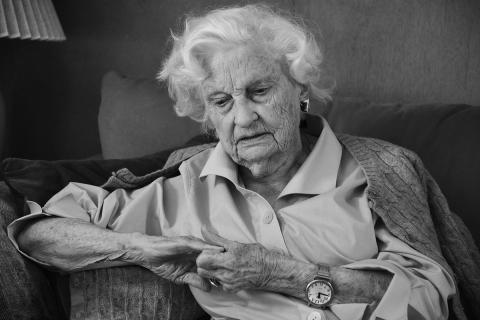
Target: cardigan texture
(403, 194)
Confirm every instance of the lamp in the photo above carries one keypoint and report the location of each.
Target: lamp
(30, 19)
(27, 19)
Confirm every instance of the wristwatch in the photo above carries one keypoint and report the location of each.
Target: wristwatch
(320, 291)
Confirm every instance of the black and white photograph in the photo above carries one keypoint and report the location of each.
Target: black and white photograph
(239, 159)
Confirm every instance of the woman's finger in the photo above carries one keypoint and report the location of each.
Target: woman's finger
(197, 281)
(210, 259)
(208, 273)
(217, 274)
(214, 238)
(185, 245)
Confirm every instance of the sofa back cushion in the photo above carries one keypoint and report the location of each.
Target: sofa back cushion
(136, 118)
(446, 137)
(39, 180)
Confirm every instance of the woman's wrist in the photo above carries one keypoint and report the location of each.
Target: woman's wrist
(290, 276)
(133, 246)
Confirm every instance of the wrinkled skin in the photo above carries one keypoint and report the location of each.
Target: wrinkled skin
(254, 107)
(246, 266)
(172, 258)
(242, 266)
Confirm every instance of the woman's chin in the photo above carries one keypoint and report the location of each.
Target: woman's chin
(258, 160)
(254, 152)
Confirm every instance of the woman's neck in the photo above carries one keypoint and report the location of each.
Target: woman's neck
(271, 185)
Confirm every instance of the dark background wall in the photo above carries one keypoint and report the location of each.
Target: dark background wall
(401, 50)
(52, 90)
(386, 51)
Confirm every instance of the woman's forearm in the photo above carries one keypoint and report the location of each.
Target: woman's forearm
(359, 286)
(291, 276)
(70, 244)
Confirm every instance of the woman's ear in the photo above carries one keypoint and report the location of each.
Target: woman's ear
(304, 91)
(304, 97)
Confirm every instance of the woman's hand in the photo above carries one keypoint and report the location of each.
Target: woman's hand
(242, 266)
(252, 266)
(172, 258)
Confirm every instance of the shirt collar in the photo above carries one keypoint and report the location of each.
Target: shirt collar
(317, 175)
(220, 164)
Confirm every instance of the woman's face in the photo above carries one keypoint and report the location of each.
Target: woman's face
(254, 107)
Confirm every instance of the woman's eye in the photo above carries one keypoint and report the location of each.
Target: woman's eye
(220, 102)
(261, 91)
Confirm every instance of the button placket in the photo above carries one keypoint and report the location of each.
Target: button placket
(272, 237)
(270, 233)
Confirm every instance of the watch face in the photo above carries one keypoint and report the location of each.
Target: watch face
(319, 292)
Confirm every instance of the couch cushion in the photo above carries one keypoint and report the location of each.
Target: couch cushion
(39, 180)
(137, 118)
(446, 137)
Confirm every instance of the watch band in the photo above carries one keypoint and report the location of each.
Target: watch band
(323, 272)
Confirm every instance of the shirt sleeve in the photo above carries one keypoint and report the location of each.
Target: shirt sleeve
(420, 287)
(76, 200)
(120, 210)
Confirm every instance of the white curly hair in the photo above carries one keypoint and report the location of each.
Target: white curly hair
(226, 28)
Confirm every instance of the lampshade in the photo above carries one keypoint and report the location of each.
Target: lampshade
(30, 19)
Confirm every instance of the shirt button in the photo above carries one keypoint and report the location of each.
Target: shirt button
(314, 316)
(76, 282)
(267, 217)
(78, 315)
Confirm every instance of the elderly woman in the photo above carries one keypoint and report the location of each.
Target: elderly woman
(281, 203)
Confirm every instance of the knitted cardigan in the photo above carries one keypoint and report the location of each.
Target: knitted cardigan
(404, 196)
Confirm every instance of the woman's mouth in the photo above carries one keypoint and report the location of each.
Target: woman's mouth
(252, 138)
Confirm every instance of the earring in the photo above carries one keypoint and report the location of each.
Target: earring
(304, 104)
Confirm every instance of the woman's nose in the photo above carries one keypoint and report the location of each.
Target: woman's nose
(245, 114)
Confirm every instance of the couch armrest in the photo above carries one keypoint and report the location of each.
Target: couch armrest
(26, 292)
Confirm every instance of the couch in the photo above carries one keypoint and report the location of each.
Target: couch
(445, 136)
